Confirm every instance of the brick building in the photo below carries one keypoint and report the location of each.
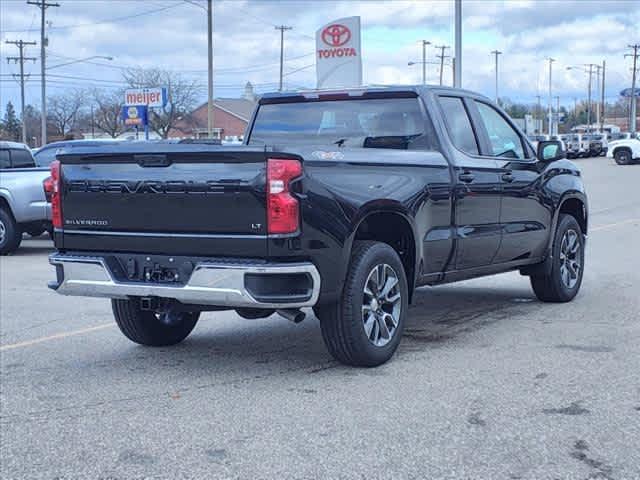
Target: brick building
(231, 117)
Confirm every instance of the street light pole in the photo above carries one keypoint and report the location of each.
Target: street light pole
(457, 61)
(496, 53)
(210, 113)
(604, 66)
(551, 60)
(634, 100)
(424, 61)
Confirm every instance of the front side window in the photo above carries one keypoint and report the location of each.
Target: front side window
(4, 159)
(459, 125)
(365, 123)
(505, 140)
(21, 158)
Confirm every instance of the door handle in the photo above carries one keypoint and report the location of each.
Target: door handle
(507, 177)
(466, 177)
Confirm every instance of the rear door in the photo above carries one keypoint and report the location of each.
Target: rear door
(477, 189)
(186, 200)
(524, 215)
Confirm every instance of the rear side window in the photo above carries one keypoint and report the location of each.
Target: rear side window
(459, 125)
(4, 159)
(22, 159)
(356, 123)
(45, 156)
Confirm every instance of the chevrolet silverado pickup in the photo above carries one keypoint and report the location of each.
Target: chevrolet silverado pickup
(343, 201)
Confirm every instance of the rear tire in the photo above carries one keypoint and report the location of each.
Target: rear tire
(622, 156)
(563, 282)
(10, 233)
(146, 327)
(365, 327)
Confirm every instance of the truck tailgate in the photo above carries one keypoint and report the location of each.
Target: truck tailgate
(200, 201)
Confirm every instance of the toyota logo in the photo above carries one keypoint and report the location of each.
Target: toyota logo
(336, 35)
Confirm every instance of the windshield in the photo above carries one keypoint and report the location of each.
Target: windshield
(369, 123)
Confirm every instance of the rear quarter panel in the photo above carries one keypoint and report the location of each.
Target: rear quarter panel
(22, 189)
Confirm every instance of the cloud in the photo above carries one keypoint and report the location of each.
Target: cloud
(171, 34)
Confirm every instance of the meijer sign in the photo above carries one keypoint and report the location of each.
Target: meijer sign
(338, 55)
(152, 97)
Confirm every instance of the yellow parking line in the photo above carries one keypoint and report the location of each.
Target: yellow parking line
(55, 337)
(611, 225)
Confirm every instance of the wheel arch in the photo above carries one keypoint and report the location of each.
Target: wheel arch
(394, 227)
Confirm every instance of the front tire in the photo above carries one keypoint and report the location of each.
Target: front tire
(149, 328)
(10, 233)
(365, 327)
(563, 282)
(622, 156)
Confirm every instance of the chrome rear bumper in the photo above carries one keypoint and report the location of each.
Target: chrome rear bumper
(209, 284)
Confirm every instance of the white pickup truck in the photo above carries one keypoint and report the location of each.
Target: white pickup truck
(23, 205)
(625, 151)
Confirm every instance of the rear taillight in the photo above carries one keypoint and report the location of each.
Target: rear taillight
(47, 184)
(283, 214)
(56, 203)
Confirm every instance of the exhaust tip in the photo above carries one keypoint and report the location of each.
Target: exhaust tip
(294, 315)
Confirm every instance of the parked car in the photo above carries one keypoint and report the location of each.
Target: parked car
(344, 201)
(578, 146)
(598, 145)
(625, 152)
(622, 136)
(47, 154)
(23, 207)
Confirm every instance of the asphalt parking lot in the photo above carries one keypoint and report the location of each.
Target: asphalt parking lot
(488, 383)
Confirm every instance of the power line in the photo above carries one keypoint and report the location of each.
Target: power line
(21, 59)
(98, 22)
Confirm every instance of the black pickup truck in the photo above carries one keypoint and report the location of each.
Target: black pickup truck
(344, 201)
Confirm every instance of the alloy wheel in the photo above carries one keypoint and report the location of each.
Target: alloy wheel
(3, 232)
(570, 260)
(381, 304)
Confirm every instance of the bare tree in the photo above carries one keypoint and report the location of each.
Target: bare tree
(183, 95)
(106, 113)
(63, 110)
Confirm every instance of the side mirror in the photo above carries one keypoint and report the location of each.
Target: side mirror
(550, 151)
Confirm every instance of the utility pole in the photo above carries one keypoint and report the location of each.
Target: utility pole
(21, 59)
(539, 115)
(43, 5)
(442, 56)
(457, 66)
(282, 29)
(496, 53)
(551, 60)
(634, 100)
(210, 112)
(589, 99)
(604, 67)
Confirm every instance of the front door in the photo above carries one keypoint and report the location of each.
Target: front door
(524, 216)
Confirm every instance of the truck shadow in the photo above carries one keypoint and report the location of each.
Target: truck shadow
(225, 348)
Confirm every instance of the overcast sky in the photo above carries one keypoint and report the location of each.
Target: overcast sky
(172, 34)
